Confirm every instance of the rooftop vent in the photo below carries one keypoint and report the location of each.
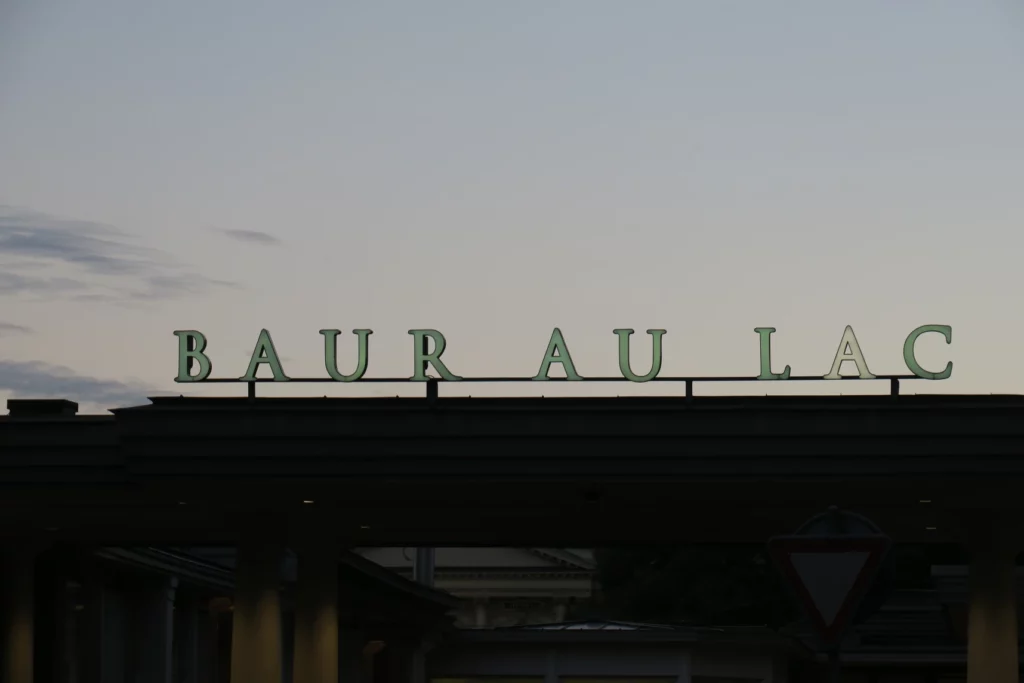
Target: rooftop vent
(41, 407)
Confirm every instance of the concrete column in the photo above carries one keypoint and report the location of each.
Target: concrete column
(256, 619)
(403, 662)
(109, 637)
(316, 611)
(154, 638)
(480, 612)
(561, 608)
(371, 660)
(187, 630)
(352, 664)
(992, 618)
(389, 662)
(17, 611)
(418, 665)
(551, 666)
(49, 593)
(423, 570)
(221, 644)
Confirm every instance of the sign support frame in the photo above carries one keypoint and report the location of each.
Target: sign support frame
(433, 382)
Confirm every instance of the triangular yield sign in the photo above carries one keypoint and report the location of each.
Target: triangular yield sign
(830, 575)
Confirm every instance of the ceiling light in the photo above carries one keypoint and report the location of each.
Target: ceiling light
(308, 502)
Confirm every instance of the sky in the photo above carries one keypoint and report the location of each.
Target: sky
(497, 169)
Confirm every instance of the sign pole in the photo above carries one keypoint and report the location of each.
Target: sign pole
(833, 665)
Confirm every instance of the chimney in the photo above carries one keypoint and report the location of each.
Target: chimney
(41, 407)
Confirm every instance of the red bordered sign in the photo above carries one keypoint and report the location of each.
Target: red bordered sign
(830, 575)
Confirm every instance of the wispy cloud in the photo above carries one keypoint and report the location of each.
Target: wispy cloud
(87, 261)
(12, 283)
(11, 328)
(41, 380)
(253, 237)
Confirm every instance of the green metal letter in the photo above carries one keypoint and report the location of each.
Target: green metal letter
(624, 367)
(422, 357)
(191, 345)
(908, 351)
(849, 350)
(331, 354)
(765, 334)
(557, 352)
(264, 353)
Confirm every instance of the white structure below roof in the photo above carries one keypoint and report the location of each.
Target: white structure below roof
(503, 587)
(598, 626)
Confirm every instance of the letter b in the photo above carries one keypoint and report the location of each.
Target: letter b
(191, 347)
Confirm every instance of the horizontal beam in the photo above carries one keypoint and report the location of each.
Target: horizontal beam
(500, 380)
(433, 382)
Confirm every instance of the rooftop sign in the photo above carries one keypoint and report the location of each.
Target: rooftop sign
(195, 364)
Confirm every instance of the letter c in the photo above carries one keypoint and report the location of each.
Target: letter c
(911, 361)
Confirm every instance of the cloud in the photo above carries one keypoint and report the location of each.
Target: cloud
(41, 380)
(11, 328)
(11, 283)
(253, 237)
(86, 261)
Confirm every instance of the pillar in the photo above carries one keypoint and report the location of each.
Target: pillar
(220, 640)
(107, 635)
(418, 664)
(480, 612)
(561, 609)
(154, 637)
(18, 614)
(551, 666)
(187, 636)
(423, 570)
(352, 664)
(316, 611)
(115, 629)
(401, 661)
(256, 619)
(685, 671)
(992, 618)
(49, 590)
(371, 660)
